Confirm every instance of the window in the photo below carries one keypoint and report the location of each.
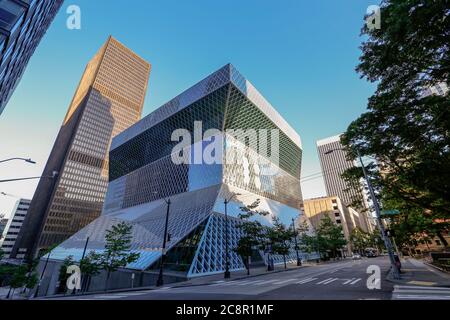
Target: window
(11, 15)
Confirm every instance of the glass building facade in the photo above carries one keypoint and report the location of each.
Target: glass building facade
(143, 174)
(23, 23)
(108, 100)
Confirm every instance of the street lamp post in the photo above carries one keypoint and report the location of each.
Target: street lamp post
(23, 159)
(299, 261)
(55, 174)
(160, 280)
(376, 205)
(42, 275)
(227, 274)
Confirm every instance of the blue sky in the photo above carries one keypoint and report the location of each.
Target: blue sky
(300, 55)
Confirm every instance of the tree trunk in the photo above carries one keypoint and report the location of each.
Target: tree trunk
(107, 280)
(248, 265)
(285, 264)
(441, 237)
(9, 293)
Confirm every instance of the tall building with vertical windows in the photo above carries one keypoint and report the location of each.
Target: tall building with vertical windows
(23, 23)
(109, 99)
(334, 164)
(13, 228)
(143, 175)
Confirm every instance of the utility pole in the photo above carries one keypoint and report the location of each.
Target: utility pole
(386, 239)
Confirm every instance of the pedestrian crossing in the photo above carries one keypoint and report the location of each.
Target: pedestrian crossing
(292, 281)
(420, 293)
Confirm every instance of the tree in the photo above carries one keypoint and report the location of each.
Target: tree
(253, 232)
(117, 249)
(330, 236)
(359, 240)
(90, 266)
(18, 280)
(405, 127)
(279, 237)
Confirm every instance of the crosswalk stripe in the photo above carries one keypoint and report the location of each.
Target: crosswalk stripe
(356, 281)
(323, 281)
(331, 281)
(422, 288)
(422, 291)
(304, 281)
(265, 282)
(422, 297)
(285, 281)
(250, 283)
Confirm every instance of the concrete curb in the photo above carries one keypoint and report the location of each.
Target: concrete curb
(436, 267)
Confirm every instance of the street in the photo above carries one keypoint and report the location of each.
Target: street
(345, 280)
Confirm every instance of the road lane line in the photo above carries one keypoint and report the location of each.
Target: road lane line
(265, 282)
(331, 281)
(348, 281)
(285, 281)
(356, 281)
(323, 281)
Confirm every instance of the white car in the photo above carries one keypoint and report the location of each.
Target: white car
(356, 256)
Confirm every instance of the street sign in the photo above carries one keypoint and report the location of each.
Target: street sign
(390, 212)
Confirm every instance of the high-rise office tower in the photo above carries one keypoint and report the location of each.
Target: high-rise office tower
(334, 164)
(144, 174)
(13, 227)
(108, 100)
(23, 23)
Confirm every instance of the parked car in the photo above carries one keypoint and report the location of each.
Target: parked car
(356, 256)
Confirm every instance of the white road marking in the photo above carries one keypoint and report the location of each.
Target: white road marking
(323, 281)
(331, 281)
(356, 281)
(250, 283)
(285, 281)
(265, 282)
(420, 293)
(304, 281)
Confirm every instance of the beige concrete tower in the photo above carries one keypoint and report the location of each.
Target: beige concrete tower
(108, 100)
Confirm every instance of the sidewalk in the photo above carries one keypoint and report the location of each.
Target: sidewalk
(17, 294)
(416, 272)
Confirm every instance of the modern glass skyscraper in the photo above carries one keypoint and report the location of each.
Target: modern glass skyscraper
(108, 100)
(145, 172)
(23, 23)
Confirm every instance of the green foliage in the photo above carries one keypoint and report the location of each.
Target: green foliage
(330, 236)
(32, 280)
(279, 237)
(253, 232)
(19, 277)
(407, 131)
(360, 240)
(90, 265)
(63, 275)
(117, 249)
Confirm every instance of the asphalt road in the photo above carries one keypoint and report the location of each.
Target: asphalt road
(345, 280)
